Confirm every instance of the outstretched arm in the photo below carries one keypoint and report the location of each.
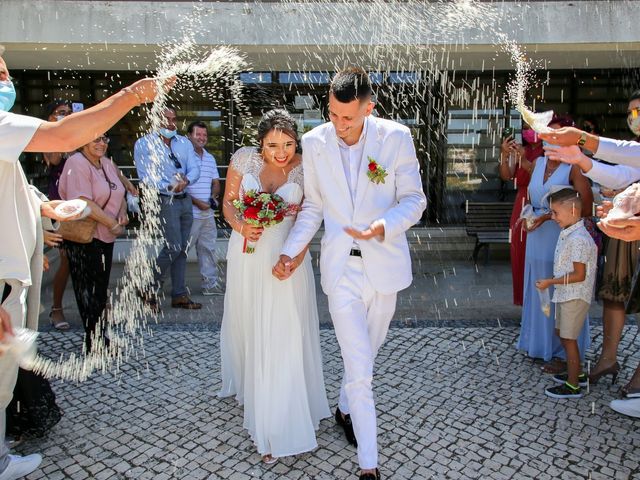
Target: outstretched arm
(80, 128)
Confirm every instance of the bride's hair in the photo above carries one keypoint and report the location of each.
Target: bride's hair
(278, 119)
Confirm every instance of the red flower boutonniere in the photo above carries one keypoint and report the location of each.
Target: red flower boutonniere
(376, 173)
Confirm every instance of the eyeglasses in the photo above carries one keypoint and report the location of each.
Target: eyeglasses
(62, 113)
(103, 139)
(634, 112)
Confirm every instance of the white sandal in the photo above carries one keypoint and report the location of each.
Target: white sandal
(61, 323)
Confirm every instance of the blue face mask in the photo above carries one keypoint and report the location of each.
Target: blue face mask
(7, 95)
(166, 133)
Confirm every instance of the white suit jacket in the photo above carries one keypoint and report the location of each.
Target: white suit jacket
(398, 203)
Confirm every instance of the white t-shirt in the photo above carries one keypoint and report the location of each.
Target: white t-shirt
(201, 189)
(19, 208)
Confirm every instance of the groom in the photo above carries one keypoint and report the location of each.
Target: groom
(361, 177)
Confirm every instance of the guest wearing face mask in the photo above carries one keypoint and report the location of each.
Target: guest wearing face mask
(619, 261)
(178, 167)
(21, 212)
(621, 257)
(516, 164)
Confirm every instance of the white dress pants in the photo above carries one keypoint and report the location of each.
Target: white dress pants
(361, 318)
(203, 236)
(15, 305)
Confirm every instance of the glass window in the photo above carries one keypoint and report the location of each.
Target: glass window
(471, 160)
(404, 77)
(256, 77)
(304, 77)
(376, 78)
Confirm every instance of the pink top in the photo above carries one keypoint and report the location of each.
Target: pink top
(80, 178)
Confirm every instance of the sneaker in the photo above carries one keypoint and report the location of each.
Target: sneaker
(561, 378)
(20, 466)
(564, 391)
(630, 408)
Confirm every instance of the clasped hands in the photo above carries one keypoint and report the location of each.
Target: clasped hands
(121, 221)
(287, 265)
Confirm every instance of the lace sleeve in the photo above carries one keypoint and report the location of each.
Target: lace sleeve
(245, 161)
(296, 175)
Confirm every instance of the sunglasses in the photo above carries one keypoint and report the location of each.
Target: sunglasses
(176, 162)
(103, 139)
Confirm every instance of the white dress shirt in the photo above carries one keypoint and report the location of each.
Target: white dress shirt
(351, 156)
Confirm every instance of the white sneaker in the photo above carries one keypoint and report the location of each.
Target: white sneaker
(627, 407)
(20, 466)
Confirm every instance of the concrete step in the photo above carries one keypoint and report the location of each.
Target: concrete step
(433, 243)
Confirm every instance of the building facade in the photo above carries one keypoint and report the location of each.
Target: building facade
(440, 68)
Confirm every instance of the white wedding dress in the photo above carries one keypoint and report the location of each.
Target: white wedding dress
(269, 340)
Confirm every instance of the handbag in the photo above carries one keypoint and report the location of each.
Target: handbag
(78, 231)
(82, 231)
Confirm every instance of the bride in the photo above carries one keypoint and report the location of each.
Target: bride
(269, 340)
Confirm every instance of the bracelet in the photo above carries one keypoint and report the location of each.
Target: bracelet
(131, 90)
(112, 229)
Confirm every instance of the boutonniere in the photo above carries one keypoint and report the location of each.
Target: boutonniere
(376, 173)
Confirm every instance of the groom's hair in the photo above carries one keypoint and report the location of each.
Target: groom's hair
(351, 84)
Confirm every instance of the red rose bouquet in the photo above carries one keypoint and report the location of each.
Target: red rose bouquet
(262, 209)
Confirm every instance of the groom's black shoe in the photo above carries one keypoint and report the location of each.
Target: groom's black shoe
(347, 426)
(370, 476)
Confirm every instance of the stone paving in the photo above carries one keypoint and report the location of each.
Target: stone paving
(453, 402)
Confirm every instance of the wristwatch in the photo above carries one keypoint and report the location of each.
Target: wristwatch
(583, 139)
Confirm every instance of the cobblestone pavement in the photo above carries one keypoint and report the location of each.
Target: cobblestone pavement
(453, 403)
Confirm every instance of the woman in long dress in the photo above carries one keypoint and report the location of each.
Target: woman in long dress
(269, 341)
(518, 170)
(537, 331)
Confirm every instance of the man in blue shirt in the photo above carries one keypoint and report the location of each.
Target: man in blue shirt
(167, 162)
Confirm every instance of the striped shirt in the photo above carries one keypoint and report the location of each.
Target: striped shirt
(201, 189)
